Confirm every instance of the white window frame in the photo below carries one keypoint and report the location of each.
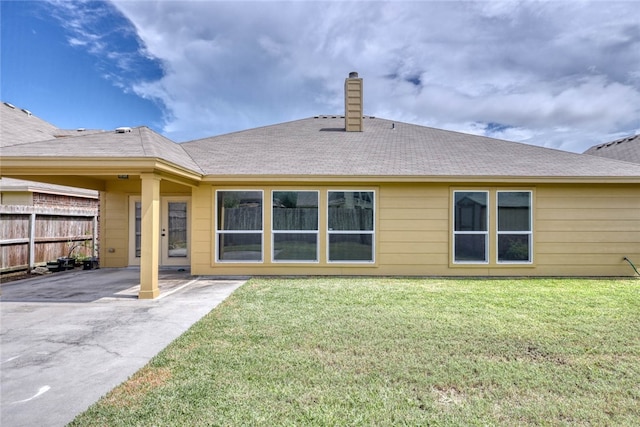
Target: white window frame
(218, 232)
(529, 233)
(456, 233)
(274, 232)
(335, 232)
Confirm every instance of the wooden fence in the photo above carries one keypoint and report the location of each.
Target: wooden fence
(32, 235)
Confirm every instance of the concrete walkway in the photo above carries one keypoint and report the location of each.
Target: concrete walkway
(68, 338)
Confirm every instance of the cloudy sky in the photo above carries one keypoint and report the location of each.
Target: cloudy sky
(562, 74)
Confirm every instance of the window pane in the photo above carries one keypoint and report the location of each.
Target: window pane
(514, 211)
(239, 210)
(138, 220)
(177, 231)
(239, 247)
(295, 247)
(295, 210)
(513, 247)
(350, 247)
(470, 211)
(471, 247)
(351, 210)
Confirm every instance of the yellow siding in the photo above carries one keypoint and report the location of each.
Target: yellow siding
(579, 230)
(587, 230)
(201, 226)
(114, 221)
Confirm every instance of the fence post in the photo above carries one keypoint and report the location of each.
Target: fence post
(94, 238)
(32, 240)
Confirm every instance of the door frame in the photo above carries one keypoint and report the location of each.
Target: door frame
(163, 249)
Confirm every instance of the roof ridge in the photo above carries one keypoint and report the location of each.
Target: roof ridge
(146, 135)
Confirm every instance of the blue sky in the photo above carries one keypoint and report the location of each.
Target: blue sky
(48, 70)
(560, 74)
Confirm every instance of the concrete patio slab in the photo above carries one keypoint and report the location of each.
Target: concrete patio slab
(68, 338)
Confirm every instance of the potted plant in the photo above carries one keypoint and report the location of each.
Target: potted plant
(53, 266)
(66, 263)
(89, 263)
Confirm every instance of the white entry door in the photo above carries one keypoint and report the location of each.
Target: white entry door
(174, 231)
(174, 235)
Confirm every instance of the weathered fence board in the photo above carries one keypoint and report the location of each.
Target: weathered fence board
(33, 235)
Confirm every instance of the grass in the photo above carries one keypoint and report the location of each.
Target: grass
(358, 351)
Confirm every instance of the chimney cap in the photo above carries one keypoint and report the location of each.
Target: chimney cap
(353, 75)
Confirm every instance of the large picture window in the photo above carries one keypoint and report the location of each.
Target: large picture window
(470, 233)
(514, 226)
(239, 228)
(351, 226)
(295, 226)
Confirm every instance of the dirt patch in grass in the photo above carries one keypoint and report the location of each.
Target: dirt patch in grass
(132, 392)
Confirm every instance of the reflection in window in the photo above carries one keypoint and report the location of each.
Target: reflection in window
(351, 226)
(514, 226)
(239, 226)
(470, 232)
(295, 225)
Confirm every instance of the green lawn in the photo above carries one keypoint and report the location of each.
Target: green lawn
(358, 351)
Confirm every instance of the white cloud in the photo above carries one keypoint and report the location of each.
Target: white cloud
(560, 74)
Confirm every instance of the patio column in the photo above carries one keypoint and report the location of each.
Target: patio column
(150, 236)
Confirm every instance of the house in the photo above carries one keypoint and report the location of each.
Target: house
(626, 149)
(346, 195)
(40, 221)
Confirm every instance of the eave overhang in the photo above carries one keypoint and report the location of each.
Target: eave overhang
(480, 179)
(97, 169)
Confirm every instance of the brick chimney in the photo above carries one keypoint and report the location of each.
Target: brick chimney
(353, 110)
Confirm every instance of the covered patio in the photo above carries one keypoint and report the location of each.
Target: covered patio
(120, 165)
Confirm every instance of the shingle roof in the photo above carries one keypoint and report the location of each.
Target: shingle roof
(320, 146)
(627, 149)
(19, 126)
(10, 184)
(140, 142)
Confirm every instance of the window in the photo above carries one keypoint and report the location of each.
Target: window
(239, 226)
(351, 226)
(514, 226)
(295, 226)
(470, 235)
(177, 246)
(138, 228)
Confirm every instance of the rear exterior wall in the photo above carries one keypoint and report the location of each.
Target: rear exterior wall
(577, 230)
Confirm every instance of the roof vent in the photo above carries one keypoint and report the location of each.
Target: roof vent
(27, 112)
(123, 130)
(10, 105)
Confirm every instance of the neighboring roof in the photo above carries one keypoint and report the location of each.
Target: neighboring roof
(319, 146)
(19, 185)
(19, 126)
(627, 149)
